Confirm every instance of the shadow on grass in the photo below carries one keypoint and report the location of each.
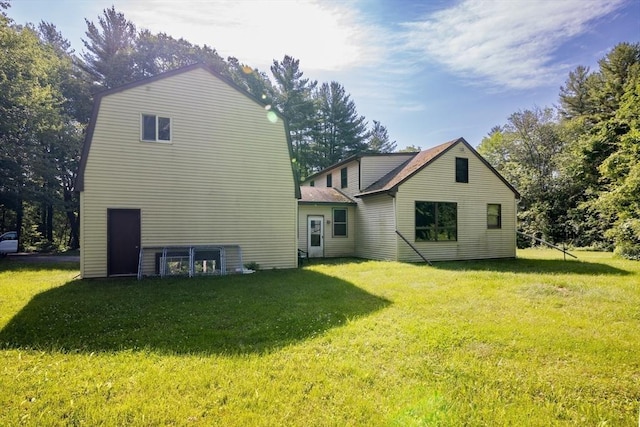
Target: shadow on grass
(226, 315)
(532, 266)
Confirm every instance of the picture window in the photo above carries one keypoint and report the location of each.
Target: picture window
(436, 221)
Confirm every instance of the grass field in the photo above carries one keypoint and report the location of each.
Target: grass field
(532, 341)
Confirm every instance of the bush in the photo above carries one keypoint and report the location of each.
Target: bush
(627, 239)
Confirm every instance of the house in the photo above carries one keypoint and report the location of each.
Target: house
(444, 203)
(185, 158)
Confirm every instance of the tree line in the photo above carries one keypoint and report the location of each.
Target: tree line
(577, 165)
(46, 92)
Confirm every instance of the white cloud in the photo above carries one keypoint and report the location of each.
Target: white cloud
(506, 43)
(323, 37)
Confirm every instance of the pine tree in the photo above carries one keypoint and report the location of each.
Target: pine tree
(293, 97)
(378, 139)
(340, 132)
(110, 45)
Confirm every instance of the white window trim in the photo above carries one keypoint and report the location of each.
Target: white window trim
(157, 116)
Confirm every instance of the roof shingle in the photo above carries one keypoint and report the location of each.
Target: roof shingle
(323, 195)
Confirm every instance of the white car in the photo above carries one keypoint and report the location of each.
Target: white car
(8, 243)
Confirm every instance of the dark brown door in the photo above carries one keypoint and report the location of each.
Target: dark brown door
(123, 241)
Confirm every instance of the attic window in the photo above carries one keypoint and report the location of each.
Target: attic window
(343, 178)
(462, 169)
(329, 180)
(156, 128)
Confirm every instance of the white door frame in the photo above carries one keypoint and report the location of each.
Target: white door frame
(315, 228)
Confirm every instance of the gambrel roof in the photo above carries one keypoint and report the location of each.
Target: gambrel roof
(79, 184)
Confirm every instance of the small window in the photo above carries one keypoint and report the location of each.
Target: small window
(494, 216)
(156, 128)
(462, 169)
(329, 181)
(343, 178)
(436, 221)
(339, 223)
(312, 184)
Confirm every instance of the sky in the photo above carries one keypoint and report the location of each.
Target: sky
(429, 70)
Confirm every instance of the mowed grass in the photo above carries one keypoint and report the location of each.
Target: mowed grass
(532, 341)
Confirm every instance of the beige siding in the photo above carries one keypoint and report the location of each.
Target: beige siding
(437, 183)
(207, 186)
(376, 228)
(333, 246)
(373, 168)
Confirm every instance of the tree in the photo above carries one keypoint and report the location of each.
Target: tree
(252, 80)
(157, 53)
(575, 97)
(378, 139)
(410, 149)
(526, 151)
(293, 96)
(620, 199)
(109, 59)
(30, 97)
(340, 131)
(599, 149)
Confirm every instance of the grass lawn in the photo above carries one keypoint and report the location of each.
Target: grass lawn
(532, 341)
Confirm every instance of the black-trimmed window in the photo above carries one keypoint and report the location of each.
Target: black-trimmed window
(494, 215)
(329, 180)
(343, 178)
(436, 221)
(339, 222)
(312, 184)
(155, 128)
(462, 169)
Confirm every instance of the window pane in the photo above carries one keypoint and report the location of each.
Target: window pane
(164, 129)
(339, 229)
(343, 178)
(329, 181)
(436, 221)
(148, 127)
(339, 215)
(425, 214)
(447, 215)
(462, 169)
(494, 216)
(425, 234)
(447, 234)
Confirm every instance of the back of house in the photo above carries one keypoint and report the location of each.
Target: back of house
(180, 159)
(444, 203)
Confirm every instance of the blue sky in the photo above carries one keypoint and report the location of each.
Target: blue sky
(430, 70)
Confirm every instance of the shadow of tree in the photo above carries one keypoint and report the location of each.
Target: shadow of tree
(532, 266)
(227, 315)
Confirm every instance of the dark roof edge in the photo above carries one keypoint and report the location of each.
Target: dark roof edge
(301, 202)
